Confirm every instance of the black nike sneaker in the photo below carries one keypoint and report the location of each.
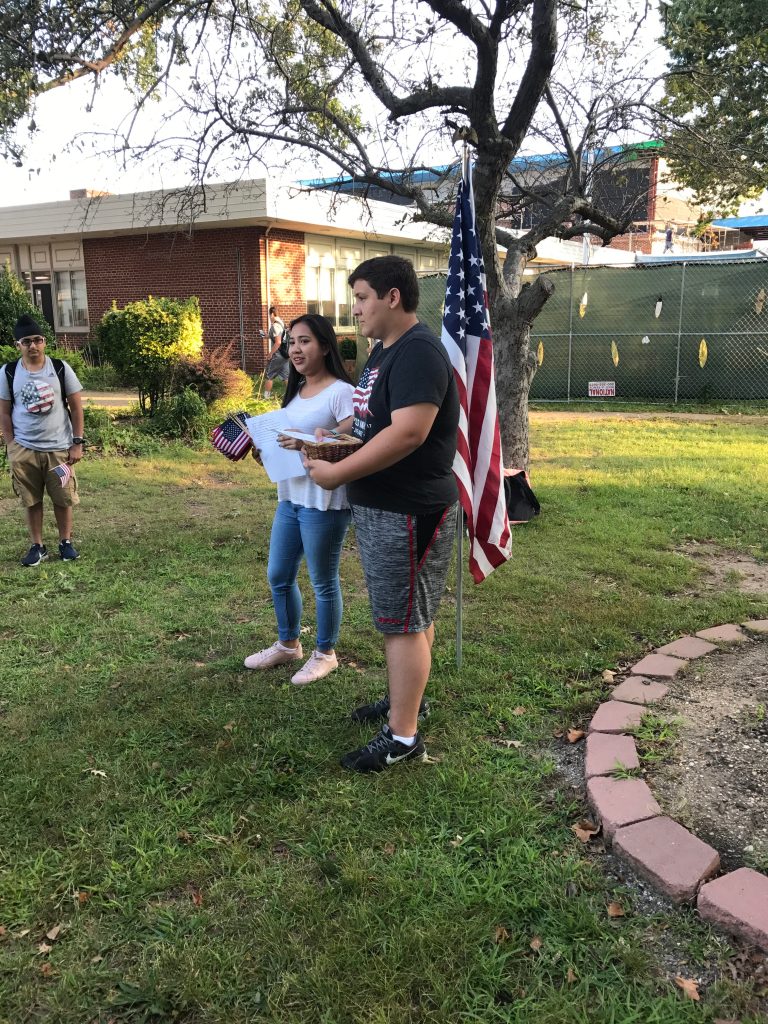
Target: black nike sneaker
(380, 709)
(382, 752)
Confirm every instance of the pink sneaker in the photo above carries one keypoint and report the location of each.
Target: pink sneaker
(319, 665)
(273, 656)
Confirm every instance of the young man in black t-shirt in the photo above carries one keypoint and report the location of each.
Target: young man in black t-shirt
(403, 495)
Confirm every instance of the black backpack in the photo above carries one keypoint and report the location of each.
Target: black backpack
(284, 343)
(58, 365)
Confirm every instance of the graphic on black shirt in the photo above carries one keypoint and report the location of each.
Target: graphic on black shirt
(361, 398)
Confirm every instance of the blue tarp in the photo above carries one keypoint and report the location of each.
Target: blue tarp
(735, 223)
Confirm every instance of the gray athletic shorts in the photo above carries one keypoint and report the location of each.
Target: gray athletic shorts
(277, 367)
(405, 560)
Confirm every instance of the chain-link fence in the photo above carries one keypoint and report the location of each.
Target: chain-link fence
(647, 332)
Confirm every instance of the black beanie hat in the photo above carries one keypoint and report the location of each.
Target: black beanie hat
(27, 327)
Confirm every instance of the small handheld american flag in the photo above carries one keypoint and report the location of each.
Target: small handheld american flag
(64, 473)
(231, 437)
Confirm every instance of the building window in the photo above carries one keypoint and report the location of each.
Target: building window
(71, 299)
(321, 291)
(329, 264)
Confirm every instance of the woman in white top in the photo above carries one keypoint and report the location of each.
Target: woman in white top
(309, 521)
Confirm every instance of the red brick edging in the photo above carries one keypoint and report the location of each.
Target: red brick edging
(670, 857)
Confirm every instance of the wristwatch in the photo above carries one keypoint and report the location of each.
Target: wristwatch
(78, 440)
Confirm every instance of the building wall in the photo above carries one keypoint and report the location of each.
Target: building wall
(177, 265)
(286, 263)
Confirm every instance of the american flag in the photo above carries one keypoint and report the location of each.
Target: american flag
(64, 473)
(466, 334)
(231, 438)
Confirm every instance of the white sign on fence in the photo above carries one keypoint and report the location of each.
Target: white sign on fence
(602, 389)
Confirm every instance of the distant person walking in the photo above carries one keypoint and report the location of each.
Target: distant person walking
(277, 365)
(38, 395)
(668, 246)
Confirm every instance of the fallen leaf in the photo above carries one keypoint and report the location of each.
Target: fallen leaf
(689, 987)
(558, 733)
(53, 934)
(197, 897)
(457, 841)
(97, 959)
(608, 676)
(389, 849)
(574, 735)
(183, 836)
(44, 948)
(46, 970)
(95, 771)
(2, 931)
(83, 897)
(21, 934)
(199, 664)
(616, 910)
(115, 686)
(501, 934)
(535, 943)
(584, 830)
(570, 976)
(506, 743)
(229, 726)
(519, 710)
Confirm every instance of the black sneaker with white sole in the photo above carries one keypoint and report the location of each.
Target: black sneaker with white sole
(37, 553)
(383, 752)
(380, 709)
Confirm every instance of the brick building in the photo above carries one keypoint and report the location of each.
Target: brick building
(239, 248)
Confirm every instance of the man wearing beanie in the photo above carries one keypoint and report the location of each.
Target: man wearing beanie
(41, 419)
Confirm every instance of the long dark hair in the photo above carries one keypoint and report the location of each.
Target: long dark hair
(322, 328)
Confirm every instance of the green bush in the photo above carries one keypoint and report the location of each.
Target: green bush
(146, 339)
(15, 302)
(109, 435)
(100, 378)
(9, 352)
(213, 377)
(348, 348)
(183, 416)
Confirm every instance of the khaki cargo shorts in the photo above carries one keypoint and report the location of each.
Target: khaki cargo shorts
(32, 474)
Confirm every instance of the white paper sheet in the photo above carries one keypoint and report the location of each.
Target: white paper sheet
(280, 463)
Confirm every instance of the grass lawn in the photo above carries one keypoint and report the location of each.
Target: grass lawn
(186, 824)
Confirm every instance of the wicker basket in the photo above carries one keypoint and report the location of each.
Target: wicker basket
(332, 449)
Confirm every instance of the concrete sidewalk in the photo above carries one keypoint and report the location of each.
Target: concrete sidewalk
(111, 399)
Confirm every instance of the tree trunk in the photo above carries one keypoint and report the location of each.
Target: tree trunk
(515, 367)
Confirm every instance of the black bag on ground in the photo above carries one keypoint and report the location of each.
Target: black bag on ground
(522, 503)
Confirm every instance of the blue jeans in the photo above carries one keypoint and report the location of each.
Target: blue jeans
(317, 535)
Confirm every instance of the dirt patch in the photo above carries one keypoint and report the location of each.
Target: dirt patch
(716, 780)
(725, 569)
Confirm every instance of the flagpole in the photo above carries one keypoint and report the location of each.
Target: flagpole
(460, 517)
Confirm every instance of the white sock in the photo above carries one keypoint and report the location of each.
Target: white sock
(286, 648)
(407, 741)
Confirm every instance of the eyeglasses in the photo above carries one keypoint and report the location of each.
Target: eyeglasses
(32, 341)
